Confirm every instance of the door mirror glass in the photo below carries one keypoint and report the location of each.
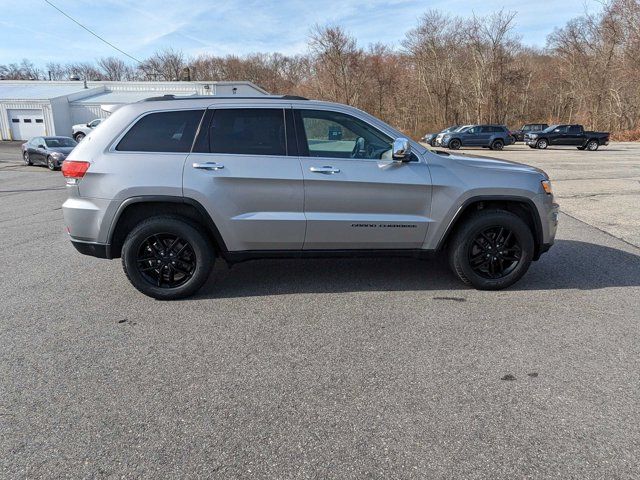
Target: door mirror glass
(401, 149)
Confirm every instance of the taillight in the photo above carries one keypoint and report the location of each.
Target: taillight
(74, 168)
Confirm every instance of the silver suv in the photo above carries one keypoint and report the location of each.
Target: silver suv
(169, 184)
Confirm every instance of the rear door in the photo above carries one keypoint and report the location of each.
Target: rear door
(574, 135)
(247, 175)
(355, 196)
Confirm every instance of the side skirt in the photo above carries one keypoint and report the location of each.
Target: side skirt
(243, 256)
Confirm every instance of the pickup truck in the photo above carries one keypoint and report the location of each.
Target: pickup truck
(567, 135)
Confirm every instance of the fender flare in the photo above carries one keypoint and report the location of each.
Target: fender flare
(166, 199)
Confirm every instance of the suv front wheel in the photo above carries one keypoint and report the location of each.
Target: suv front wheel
(167, 258)
(492, 250)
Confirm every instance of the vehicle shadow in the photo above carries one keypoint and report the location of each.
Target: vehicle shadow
(569, 265)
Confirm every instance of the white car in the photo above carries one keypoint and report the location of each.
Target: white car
(83, 129)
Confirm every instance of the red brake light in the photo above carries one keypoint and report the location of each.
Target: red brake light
(74, 168)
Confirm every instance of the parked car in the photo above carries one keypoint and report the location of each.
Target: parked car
(168, 185)
(494, 137)
(49, 151)
(438, 140)
(567, 135)
(518, 135)
(430, 138)
(81, 130)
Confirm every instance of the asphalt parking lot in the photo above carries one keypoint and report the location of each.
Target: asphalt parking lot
(384, 368)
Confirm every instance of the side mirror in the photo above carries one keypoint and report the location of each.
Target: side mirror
(42, 146)
(401, 149)
(89, 125)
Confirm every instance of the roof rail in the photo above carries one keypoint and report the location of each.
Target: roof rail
(211, 97)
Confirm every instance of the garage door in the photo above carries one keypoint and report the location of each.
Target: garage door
(26, 123)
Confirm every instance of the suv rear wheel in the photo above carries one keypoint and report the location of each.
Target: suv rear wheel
(491, 250)
(497, 145)
(167, 258)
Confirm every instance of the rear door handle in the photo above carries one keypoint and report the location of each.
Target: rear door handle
(208, 166)
(327, 170)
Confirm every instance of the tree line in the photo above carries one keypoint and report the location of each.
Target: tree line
(447, 70)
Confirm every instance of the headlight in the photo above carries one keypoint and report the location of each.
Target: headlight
(57, 155)
(533, 135)
(446, 137)
(546, 186)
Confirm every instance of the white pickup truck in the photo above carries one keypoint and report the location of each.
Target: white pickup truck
(81, 130)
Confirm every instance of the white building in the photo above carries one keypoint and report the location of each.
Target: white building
(34, 108)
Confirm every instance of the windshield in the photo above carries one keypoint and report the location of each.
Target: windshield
(60, 142)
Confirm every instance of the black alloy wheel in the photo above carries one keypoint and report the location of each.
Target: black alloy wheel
(592, 145)
(455, 144)
(166, 260)
(497, 145)
(167, 257)
(491, 249)
(494, 253)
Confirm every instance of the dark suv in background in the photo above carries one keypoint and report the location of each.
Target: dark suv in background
(518, 135)
(494, 137)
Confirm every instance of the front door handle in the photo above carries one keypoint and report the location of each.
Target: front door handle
(208, 166)
(327, 170)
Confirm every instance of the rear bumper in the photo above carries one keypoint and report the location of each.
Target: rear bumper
(98, 250)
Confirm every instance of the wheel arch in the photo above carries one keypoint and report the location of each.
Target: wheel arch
(521, 206)
(134, 209)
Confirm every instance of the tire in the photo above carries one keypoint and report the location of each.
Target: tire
(497, 145)
(183, 265)
(79, 136)
(592, 145)
(469, 246)
(51, 164)
(455, 144)
(26, 158)
(542, 144)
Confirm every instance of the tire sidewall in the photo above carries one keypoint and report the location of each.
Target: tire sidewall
(592, 142)
(497, 145)
(455, 144)
(79, 137)
(51, 164)
(473, 227)
(26, 158)
(202, 249)
(542, 144)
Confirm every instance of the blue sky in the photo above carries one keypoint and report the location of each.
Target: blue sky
(32, 29)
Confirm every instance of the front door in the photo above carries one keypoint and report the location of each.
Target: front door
(355, 196)
(247, 176)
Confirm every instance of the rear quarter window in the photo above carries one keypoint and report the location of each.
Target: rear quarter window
(162, 132)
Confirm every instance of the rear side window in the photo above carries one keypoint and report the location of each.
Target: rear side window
(248, 131)
(162, 132)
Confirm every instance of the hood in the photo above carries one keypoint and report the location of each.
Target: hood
(65, 150)
(491, 163)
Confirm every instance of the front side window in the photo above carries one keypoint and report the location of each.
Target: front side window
(248, 131)
(162, 132)
(337, 135)
(561, 129)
